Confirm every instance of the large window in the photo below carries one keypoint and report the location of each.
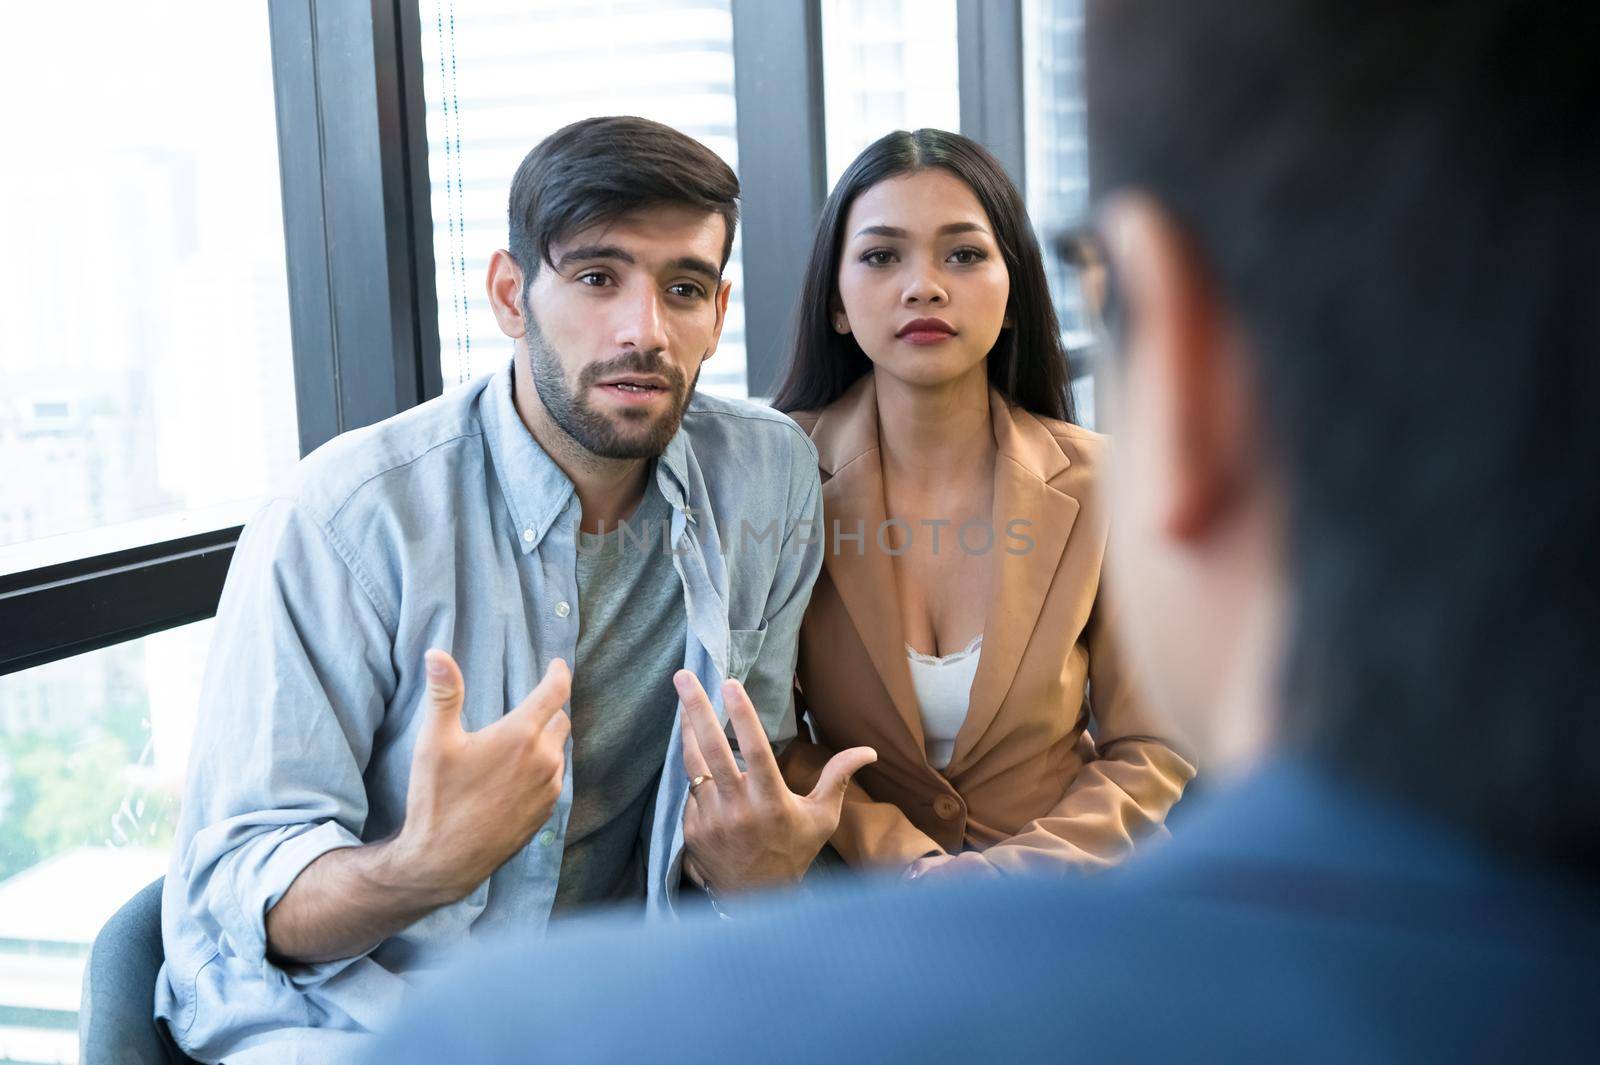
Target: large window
(144, 324)
(147, 395)
(503, 74)
(888, 64)
(92, 758)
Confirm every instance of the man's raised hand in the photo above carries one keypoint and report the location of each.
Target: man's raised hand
(476, 798)
(744, 828)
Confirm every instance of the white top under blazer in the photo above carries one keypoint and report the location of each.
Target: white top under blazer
(944, 691)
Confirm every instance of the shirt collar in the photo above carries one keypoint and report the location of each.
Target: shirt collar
(535, 488)
(672, 471)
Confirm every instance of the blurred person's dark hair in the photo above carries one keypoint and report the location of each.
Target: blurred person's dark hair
(599, 169)
(1078, 248)
(1028, 364)
(1398, 203)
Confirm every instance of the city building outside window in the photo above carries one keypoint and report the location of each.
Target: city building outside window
(887, 65)
(144, 318)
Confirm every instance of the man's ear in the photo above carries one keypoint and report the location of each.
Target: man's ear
(724, 289)
(1184, 367)
(505, 286)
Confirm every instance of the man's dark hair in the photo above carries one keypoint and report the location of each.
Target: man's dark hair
(600, 169)
(1399, 203)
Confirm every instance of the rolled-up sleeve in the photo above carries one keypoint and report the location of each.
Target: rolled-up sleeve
(295, 690)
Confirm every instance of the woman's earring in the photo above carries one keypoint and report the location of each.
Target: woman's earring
(841, 324)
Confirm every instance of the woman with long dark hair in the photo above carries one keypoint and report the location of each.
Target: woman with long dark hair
(957, 627)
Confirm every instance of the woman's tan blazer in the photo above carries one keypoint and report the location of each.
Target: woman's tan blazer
(1044, 776)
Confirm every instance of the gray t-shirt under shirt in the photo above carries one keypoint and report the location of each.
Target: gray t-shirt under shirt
(630, 641)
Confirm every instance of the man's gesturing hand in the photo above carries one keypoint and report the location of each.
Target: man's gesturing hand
(746, 829)
(476, 798)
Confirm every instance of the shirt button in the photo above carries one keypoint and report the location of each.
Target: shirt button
(946, 807)
(546, 838)
(527, 536)
(563, 609)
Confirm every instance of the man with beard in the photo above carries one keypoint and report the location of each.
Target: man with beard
(379, 771)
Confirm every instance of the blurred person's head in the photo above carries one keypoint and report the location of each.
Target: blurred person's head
(925, 268)
(1359, 288)
(612, 282)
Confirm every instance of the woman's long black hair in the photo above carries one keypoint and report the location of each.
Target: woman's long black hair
(1027, 363)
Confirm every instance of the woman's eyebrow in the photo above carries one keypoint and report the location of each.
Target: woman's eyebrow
(897, 232)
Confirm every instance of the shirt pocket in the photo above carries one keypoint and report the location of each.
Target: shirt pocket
(744, 647)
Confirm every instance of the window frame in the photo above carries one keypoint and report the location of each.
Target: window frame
(783, 178)
(989, 50)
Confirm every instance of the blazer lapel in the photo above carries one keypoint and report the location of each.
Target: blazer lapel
(1028, 459)
(852, 505)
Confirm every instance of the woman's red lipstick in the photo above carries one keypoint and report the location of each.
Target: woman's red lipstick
(926, 331)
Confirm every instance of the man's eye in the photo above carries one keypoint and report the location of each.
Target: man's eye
(878, 257)
(593, 280)
(688, 290)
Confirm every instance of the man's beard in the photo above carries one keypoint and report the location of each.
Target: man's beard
(631, 433)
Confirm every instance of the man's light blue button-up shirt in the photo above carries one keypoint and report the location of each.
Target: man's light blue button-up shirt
(446, 526)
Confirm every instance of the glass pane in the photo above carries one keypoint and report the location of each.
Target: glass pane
(148, 386)
(887, 65)
(500, 75)
(92, 757)
(1058, 162)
